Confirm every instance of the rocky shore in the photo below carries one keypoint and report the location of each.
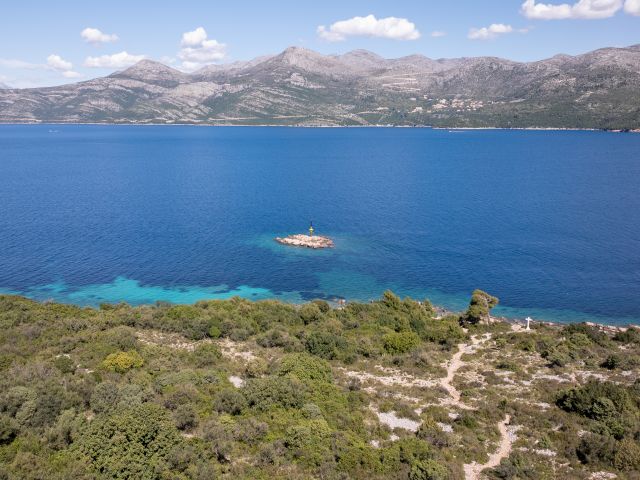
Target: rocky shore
(307, 241)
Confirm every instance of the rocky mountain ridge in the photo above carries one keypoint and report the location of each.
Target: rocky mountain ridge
(599, 89)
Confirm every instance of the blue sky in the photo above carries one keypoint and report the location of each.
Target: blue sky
(41, 41)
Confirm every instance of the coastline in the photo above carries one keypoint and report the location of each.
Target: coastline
(271, 125)
(256, 294)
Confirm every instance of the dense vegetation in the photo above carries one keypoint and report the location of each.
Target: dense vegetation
(241, 389)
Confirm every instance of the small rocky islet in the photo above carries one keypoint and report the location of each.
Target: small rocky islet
(306, 241)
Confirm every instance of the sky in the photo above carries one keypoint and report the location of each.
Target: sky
(54, 42)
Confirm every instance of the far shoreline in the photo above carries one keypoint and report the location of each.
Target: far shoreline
(270, 125)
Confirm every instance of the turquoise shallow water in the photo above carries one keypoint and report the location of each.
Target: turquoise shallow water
(547, 221)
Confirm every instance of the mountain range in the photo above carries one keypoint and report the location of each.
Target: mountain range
(599, 89)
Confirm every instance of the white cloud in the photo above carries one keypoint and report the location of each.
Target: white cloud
(583, 9)
(369, 26)
(95, 36)
(55, 63)
(197, 50)
(438, 33)
(194, 38)
(492, 31)
(117, 60)
(632, 7)
(58, 63)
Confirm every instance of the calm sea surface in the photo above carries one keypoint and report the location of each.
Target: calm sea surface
(547, 221)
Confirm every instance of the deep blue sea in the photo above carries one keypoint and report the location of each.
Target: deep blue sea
(548, 221)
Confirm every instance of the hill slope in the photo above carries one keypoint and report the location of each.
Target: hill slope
(600, 89)
(387, 390)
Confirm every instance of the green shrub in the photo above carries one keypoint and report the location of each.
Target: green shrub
(230, 401)
(627, 456)
(305, 367)
(630, 335)
(324, 344)
(132, 443)
(431, 432)
(104, 397)
(120, 338)
(206, 355)
(391, 300)
(557, 356)
(596, 449)
(446, 331)
(308, 441)
(517, 466)
(269, 392)
(400, 342)
(614, 406)
(64, 364)
(214, 331)
(8, 429)
(592, 332)
(612, 362)
(428, 470)
(310, 313)
(185, 417)
(322, 305)
(277, 337)
(122, 362)
(250, 431)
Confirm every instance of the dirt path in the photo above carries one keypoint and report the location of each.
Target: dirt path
(472, 471)
(454, 365)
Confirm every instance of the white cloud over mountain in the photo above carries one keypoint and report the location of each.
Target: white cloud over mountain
(95, 36)
(59, 64)
(117, 60)
(369, 26)
(490, 32)
(198, 50)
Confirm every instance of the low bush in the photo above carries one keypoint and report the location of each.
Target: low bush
(400, 342)
(121, 362)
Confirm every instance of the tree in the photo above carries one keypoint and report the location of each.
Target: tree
(480, 307)
(391, 300)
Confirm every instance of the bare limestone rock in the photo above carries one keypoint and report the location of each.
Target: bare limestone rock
(308, 241)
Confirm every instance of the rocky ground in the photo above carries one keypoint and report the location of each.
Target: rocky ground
(307, 241)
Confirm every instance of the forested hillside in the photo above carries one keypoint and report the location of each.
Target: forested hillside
(237, 389)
